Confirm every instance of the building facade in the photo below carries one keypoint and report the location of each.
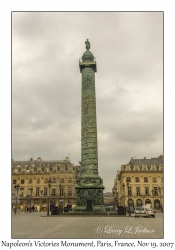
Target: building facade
(140, 182)
(108, 201)
(37, 182)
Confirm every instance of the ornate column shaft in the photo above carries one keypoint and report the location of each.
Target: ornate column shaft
(89, 154)
(89, 188)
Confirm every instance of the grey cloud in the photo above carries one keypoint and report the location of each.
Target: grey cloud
(46, 85)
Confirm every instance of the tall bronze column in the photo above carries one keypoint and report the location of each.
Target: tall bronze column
(89, 188)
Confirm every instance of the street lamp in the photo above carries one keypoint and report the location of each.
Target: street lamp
(41, 193)
(31, 191)
(160, 195)
(64, 201)
(123, 186)
(152, 191)
(17, 187)
(61, 190)
(49, 185)
(57, 198)
(129, 193)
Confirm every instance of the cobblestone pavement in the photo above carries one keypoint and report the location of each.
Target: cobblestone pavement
(37, 226)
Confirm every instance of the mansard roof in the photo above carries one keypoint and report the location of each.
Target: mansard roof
(153, 161)
(153, 164)
(42, 165)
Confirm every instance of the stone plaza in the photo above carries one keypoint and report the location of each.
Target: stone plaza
(39, 226)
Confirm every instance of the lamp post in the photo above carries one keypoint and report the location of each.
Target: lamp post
(57, 198)
(41, 193)
(31, 191)
(17, 187)
(64, 201)
(123, 186)
(152, 191)
(129, 194)
(160, 195)
(49, 185)
(61, 190)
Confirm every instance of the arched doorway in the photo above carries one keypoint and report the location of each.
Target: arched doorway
(157, 204)
(148, 202)
(139, 203)
(130, 202)
(130, 206)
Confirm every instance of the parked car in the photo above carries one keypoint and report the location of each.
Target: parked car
(141, 211)
(109, 208)
(151, 211)
(149, 206)
(153, 208)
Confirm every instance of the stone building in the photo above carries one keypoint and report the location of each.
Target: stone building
(108, 199)
(140, 182)
(32, 177)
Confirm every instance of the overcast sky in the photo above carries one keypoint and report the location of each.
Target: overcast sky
(46, 85)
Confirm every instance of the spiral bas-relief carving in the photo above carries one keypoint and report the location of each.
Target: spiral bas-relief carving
(89, 127)
(89, 187)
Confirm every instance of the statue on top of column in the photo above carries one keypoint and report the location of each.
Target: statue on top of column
(87, 44)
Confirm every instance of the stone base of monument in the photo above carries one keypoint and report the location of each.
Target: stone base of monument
(94, 209)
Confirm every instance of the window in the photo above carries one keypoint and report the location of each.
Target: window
(146, 190)
(154, 179)
(138, 190)
(145, 179)
(62, 180)
(46, 180)
(137, 179)
(21, 192)
(30, 181)
(69, 180)
(69, 191)
(45, 191)
(155, 191)
(54, 180)
(154, 168)
(38, 180)
(53, 191)
(61, 190)
(22, 181)
(29, 192)
(144, 168)
(129, 179)
(14, 181)
(37, 191)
